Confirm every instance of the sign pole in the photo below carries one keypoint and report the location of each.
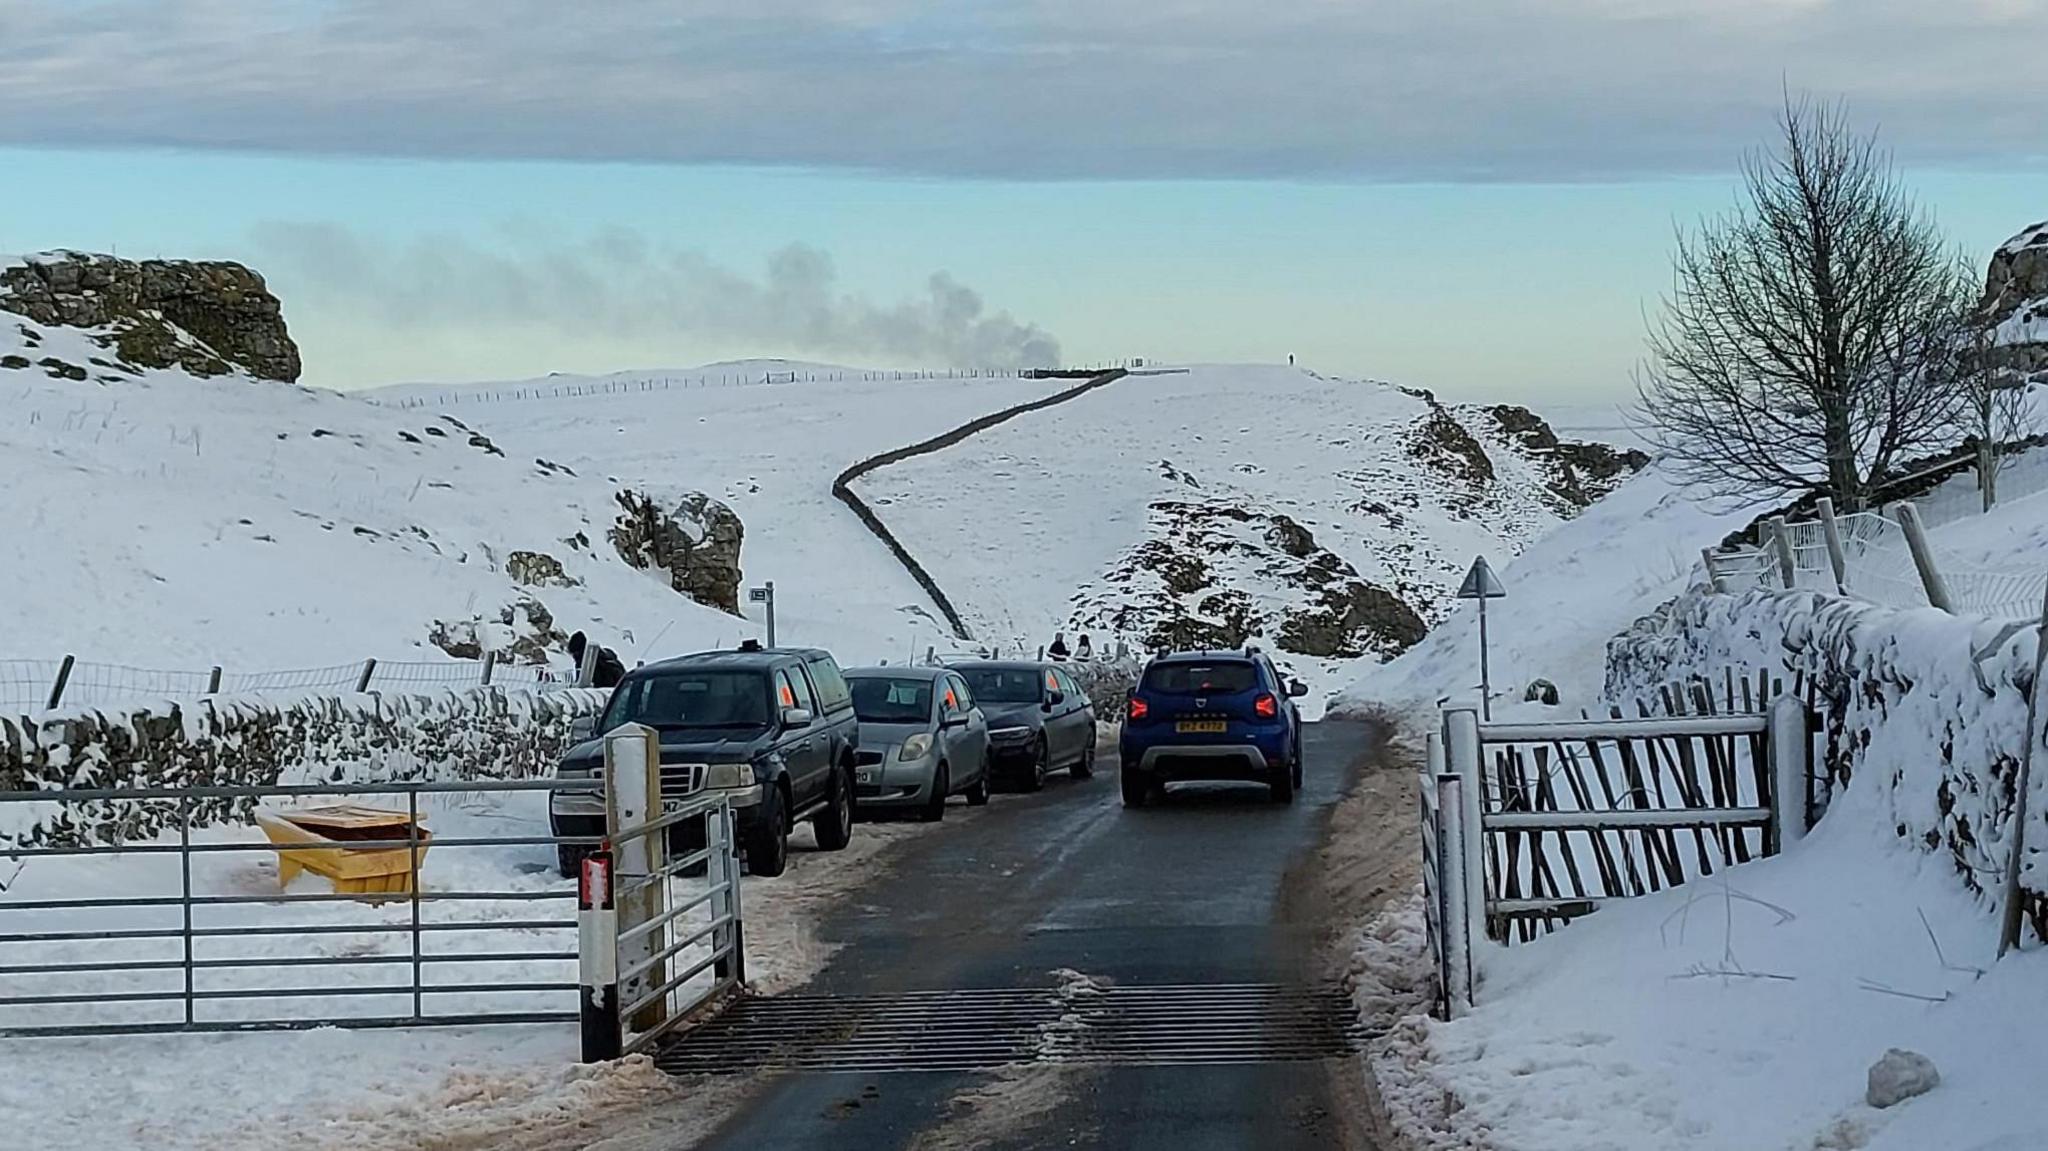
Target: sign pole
(1485, 673)
(1481, 584)
(771, 613)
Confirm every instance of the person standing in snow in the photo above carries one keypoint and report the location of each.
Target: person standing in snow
(1058, 650)
(1084, 651)
(610, 668)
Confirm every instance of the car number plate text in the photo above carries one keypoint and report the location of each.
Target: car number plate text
(865, 775)
(1202, 725)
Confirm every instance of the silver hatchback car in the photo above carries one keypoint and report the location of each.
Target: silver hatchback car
(922, 740)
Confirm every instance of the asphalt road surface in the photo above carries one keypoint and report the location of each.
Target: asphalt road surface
(1215, 888)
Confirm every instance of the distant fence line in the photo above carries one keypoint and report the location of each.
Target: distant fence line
(720, 380)
(1886, 557)
(45, 684)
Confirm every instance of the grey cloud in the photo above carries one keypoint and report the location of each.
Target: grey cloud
(618, 284)
(1034, 89)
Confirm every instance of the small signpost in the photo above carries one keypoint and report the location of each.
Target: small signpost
(765, 594)
(1481, 584)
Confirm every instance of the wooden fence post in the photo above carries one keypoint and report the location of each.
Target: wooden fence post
(1714, 580)
(1788, 564)
(490, 664)
(1908, 518)
(57, 688)
(1831, 532)
(363, 682)
(213, 681)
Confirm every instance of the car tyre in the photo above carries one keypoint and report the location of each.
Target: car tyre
(1034, 778)
(1085, 766)
(834, 825)
(1283, 785)
(977, 795)
(1297, 767)
(935, 807)
(1136, 788)
(768, 839)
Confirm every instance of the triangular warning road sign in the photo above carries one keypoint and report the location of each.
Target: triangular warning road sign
(1481, 583)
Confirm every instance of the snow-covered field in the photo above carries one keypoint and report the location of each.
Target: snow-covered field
(1067, 504)
(171, 522)
(1739, 1013)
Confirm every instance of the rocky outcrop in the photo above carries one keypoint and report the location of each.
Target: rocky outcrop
(1217, 575)
(207, 317)
(1580, 472)
(2016, 303)
(693, 538)
(524, 632)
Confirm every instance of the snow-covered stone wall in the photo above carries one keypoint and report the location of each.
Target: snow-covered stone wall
(483, 733)
(1925, 706)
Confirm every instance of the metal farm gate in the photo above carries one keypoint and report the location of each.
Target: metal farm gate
(1526, 826)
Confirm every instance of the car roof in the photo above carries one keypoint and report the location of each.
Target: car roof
(902, 671)
(999, 665)
(761, 658)
(1206, 656)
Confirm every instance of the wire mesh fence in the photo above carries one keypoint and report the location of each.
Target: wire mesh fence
(1878, 567)
(33, 685)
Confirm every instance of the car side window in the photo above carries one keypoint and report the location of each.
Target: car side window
(833, 693)
(1075, 693)
(961, 692)
(793, 691)
(949, 697)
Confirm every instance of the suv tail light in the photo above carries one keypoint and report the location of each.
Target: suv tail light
(1266, 707)
(1139, 707)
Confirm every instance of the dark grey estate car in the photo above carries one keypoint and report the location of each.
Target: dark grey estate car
(1039, 719)
(772, 727)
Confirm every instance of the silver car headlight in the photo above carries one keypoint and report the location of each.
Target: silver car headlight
(728, 775)
(916, 747)
(1009, 732)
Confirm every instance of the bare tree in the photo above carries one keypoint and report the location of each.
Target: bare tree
(1995, 402)
(1814, 336)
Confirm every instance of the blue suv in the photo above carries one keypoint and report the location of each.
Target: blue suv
(1211, 715)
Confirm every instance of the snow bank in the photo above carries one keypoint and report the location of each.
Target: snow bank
(483, 733)
(1567, 593)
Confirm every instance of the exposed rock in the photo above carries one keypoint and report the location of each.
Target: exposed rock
(1442, 443)
(1216, 575)
(1540, 691)
(2016, 303)
(538, 569)
(524, 632)
(1899, 1076)
(694, 538)
(14, 363)
(1580, 472)
(58, 369)
(204, 316)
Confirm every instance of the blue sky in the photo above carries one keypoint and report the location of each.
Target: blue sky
(1477, 198)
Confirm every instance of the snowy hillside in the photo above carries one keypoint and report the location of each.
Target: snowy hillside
(163, 520)
(1332, 519)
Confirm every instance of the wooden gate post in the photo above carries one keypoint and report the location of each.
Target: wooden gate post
(1831, 532)
(1908, 518)
(1788, 564)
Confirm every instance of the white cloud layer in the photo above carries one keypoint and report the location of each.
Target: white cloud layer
(1031, 89)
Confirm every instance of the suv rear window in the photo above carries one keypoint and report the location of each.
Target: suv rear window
(1186, 677)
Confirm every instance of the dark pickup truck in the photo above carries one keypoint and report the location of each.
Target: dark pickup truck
(774, 728)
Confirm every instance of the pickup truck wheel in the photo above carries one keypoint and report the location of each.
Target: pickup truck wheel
(935, 807)
(768, 838)
(1085, 766)
(834, 825)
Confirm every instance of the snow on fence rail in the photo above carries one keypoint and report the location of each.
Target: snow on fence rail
(32, 685)
(1527, 826)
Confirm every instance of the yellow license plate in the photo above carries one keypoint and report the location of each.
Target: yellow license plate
(1202, 725)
